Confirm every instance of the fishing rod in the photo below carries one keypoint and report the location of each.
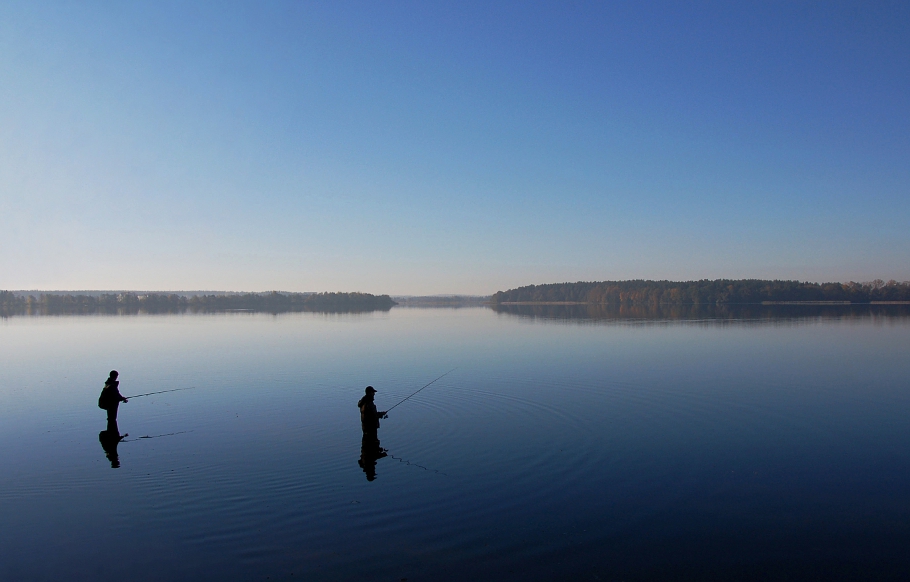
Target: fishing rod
(444, 375)
(162, 392)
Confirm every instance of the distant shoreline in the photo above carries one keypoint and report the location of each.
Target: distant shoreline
(706, 304)
(707, 292)
(832, 303)
(153, 303)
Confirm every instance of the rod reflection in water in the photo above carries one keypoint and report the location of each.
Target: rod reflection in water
(156, 436)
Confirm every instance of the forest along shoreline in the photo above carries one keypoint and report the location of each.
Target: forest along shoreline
(133, 303)
(707, 292)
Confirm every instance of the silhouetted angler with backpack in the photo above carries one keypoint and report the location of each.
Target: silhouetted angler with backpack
(111, 398)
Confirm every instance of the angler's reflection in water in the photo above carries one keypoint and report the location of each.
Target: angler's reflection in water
(109, 439)
(370, 452)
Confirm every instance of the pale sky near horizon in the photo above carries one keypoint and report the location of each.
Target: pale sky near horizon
(464, 147)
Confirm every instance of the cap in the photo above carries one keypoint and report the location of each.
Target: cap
(370, 389)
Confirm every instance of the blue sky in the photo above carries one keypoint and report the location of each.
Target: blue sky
(430, 147)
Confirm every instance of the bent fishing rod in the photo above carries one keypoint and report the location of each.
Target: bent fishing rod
(161, 392)
(441, 377)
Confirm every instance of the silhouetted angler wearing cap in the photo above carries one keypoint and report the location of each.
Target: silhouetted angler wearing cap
(369, 416)
(111, 398)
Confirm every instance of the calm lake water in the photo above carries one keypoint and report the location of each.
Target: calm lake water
(764, 444)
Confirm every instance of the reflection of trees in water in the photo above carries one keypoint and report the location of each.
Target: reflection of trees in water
(160, 303)
(757, 313)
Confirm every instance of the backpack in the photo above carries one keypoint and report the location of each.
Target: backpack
(104, 401)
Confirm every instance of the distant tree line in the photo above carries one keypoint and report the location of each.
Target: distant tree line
(132, 303)
(281, 302)
(718, 291)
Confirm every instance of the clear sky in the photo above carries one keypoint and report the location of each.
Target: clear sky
(432, 147)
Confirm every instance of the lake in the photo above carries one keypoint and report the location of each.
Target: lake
(762, 443)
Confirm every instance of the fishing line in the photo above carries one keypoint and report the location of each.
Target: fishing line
(444, 375)
(162, 392)
(406, 462)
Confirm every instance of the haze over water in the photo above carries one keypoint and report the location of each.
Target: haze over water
(565, 445)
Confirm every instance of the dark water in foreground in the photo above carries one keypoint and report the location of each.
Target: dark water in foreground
(768, 446)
